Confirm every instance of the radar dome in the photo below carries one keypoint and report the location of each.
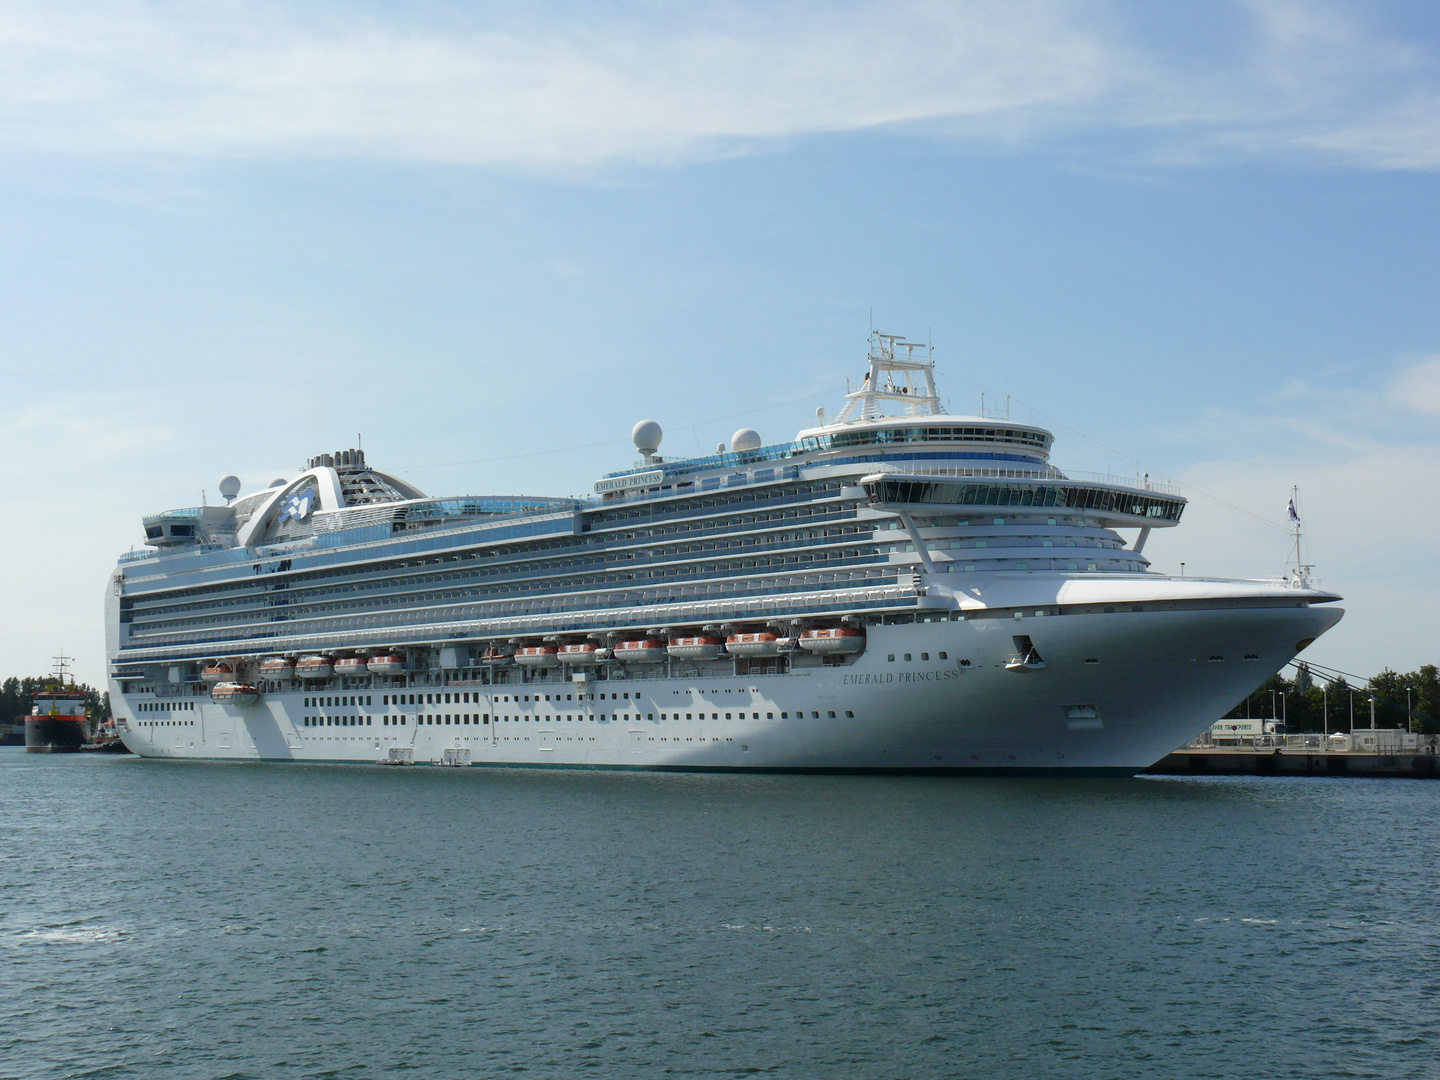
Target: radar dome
(230, 486)
(745, 439)
(647, 436)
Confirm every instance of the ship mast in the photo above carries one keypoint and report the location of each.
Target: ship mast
(1297, 551)
(906, 380)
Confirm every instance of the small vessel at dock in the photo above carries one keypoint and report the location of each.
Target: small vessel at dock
(58, 722)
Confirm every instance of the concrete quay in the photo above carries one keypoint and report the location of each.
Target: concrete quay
(1281, 761)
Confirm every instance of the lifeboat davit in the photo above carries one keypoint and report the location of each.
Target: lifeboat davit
(498, 654)
(833, 639)
(538, 656)
(704, 647)
(313, 667)
(278, 667)
(386, 664)
(217, 673)
(234, 693)
(585, 653)
(643, 651)
(352, 666)
(761, 644)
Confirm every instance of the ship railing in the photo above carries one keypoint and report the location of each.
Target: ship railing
(962, 471)
(1135, 483)
(1293, 581)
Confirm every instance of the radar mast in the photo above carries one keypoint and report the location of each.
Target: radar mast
(906, 380)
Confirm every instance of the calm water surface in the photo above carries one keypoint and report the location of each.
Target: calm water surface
(191, 920)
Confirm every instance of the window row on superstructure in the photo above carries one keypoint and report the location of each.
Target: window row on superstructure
(1068, 496)
(594, 552)
(388, 616)
(600, 533)
(809, 547)
(1035, 441)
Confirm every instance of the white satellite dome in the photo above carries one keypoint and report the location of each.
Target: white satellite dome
(229, 487)
(745, 439)
(647, 435)
(279, 481)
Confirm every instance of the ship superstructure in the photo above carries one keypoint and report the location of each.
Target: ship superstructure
(894, 589)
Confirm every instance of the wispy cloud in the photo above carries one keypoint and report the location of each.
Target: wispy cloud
(1417, 386)
(556, 90)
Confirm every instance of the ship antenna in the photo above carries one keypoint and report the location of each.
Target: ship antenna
(1302, 569)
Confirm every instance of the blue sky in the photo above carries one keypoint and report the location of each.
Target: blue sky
(1194, 239)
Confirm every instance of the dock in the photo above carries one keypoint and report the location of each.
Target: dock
(1285, 761)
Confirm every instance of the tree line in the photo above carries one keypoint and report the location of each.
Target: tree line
(18, 695)
(1402, 700)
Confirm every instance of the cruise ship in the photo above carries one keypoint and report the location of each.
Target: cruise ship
(895, 589)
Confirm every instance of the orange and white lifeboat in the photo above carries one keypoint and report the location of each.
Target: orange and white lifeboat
(538, 656)
(833, 639)
(703, 647)
(760, 644)
(386, 664)
(313, 667)
(498, 654)
(351, 666)
(640, 651)
(584, 653)
(234, 693)
(217, 673)
(278, 667)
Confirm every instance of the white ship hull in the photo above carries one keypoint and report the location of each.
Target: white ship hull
(1150, 686)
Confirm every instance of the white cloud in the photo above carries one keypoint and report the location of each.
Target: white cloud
(557, 92)
(1366, 481)
(1417, 387)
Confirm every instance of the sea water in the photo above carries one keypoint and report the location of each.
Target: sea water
(167, 919)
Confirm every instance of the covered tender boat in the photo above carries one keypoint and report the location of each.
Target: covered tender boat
(234, 693)
(498, 654)
(833, 639)
(313, 667)
(584, 653)
(757, 644)
(640, 651)
(352, 666)
(702, 647)
(278, 667)
(538, 656)
(217, 672)
(386, 664)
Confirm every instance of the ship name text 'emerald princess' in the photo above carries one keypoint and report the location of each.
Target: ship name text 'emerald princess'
(895, 589)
